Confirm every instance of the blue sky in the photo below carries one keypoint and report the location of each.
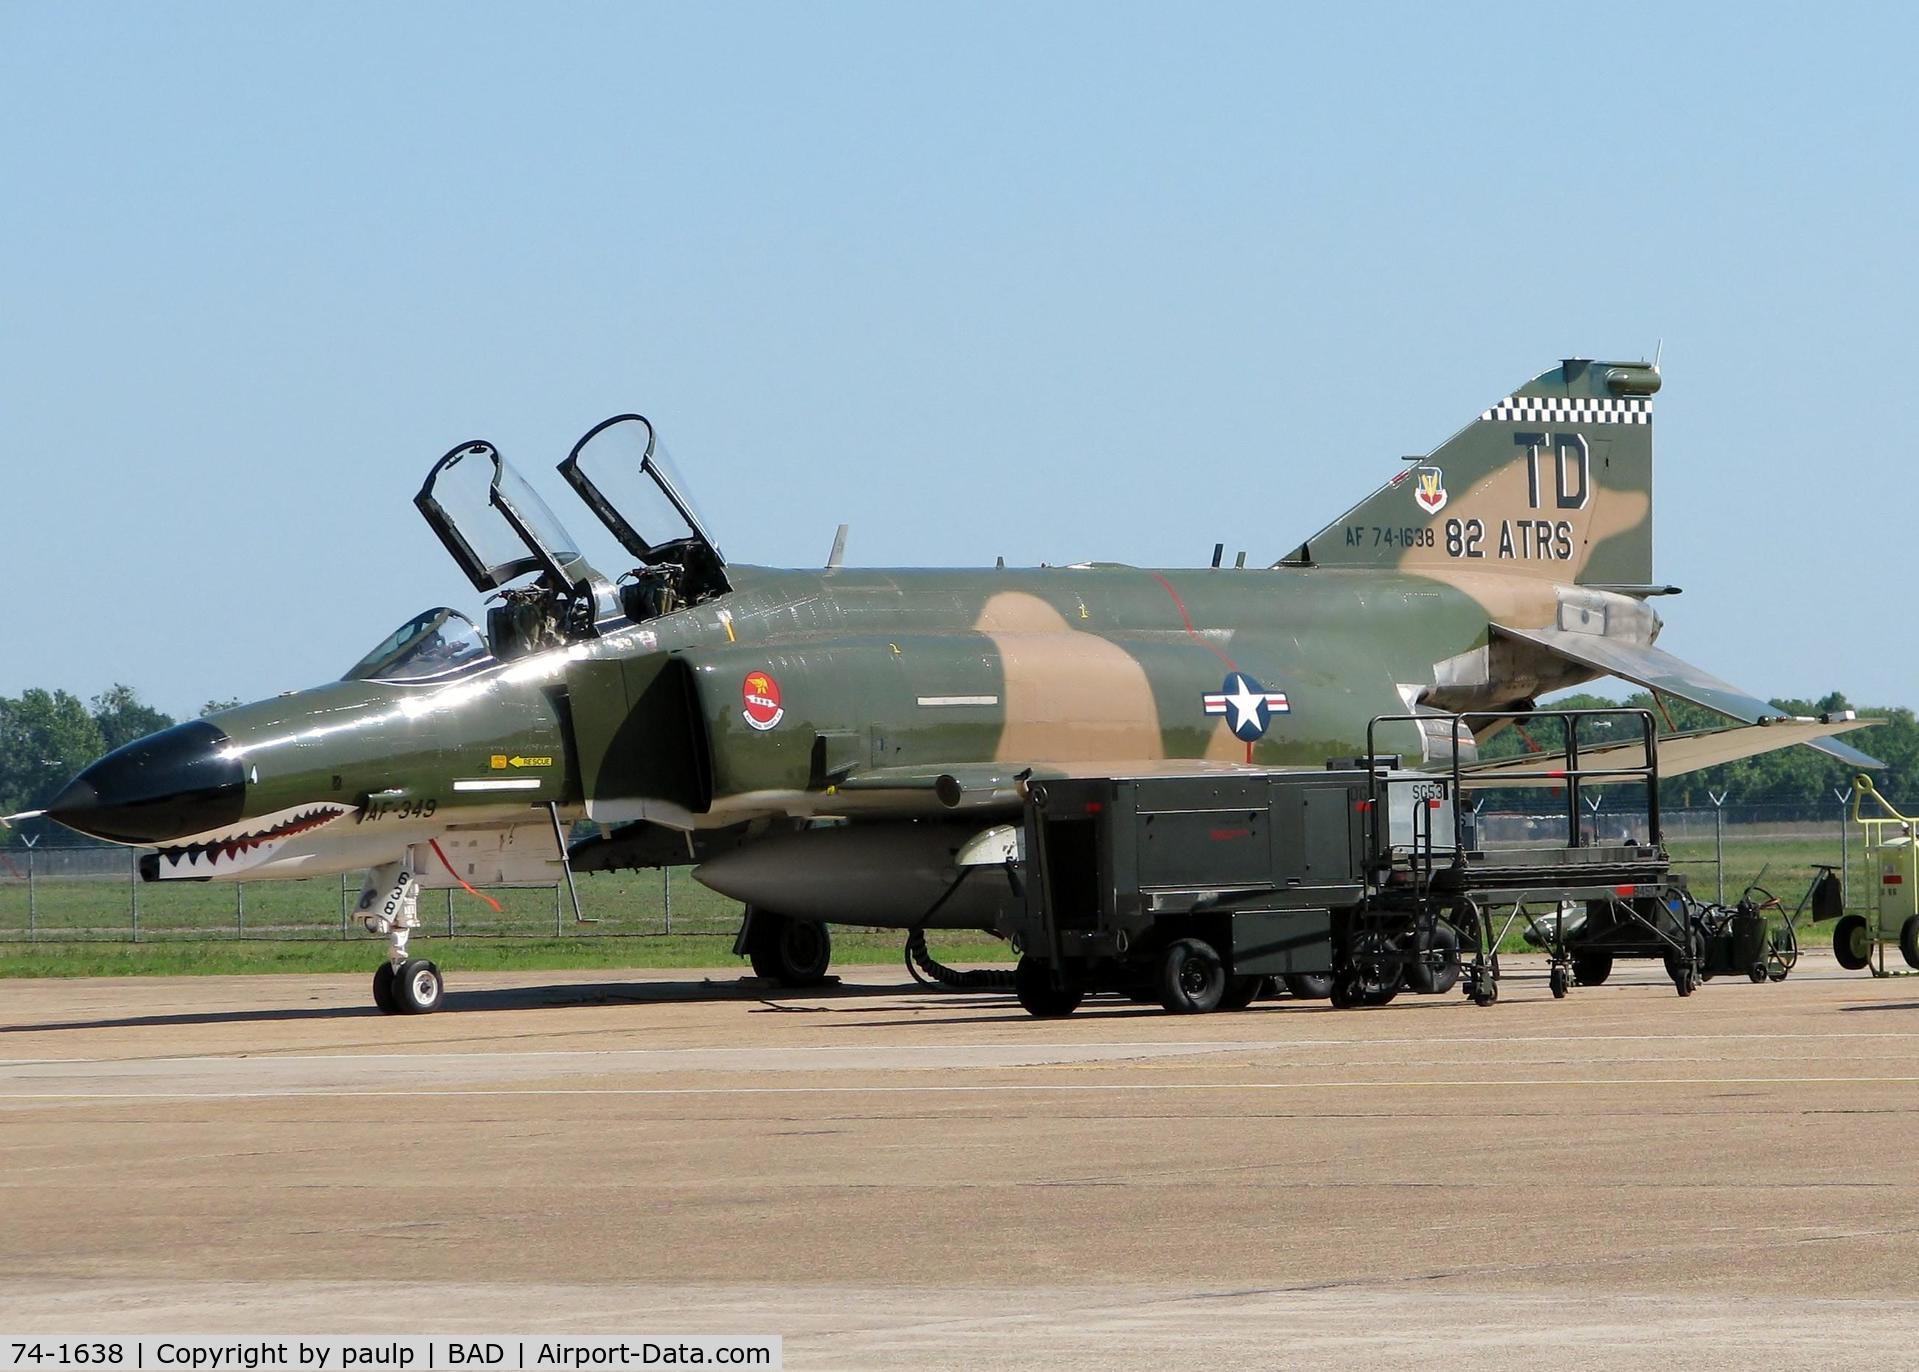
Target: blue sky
(1052, 282)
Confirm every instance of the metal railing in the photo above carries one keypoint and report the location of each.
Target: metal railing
(1568, 777)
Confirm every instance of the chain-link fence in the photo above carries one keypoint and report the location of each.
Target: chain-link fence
(93, 893)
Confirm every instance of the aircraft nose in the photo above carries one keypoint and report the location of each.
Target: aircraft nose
(156, 789)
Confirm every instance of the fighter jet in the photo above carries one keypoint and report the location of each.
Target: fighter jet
(849, 745)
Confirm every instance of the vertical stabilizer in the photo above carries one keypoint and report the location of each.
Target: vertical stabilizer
(1553, 481)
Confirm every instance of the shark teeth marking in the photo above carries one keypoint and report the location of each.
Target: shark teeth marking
(227, 852)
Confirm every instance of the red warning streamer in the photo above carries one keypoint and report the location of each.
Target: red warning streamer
(434, 843)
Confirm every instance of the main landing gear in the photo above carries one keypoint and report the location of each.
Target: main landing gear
(792, 952)
(390, 905)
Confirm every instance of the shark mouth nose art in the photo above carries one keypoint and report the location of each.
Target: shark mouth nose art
(240, 848)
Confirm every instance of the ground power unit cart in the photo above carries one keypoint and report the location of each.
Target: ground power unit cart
(1356, 882)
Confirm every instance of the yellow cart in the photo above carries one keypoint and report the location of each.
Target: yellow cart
(1860, 941)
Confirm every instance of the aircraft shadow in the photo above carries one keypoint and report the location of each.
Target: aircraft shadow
(569, 996)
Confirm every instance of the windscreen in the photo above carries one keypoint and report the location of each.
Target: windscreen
(434, 643)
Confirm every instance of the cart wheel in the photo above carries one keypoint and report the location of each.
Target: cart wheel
(1435, 980)
(1909, 940)
(1485, 990)
(1591, 967)
(1191, 977)
(1758, 973)
(1308, 985)
(1852, 942)
(1560, 980)
(1776, 970)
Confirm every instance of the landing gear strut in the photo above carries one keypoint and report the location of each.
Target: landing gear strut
(390, 905)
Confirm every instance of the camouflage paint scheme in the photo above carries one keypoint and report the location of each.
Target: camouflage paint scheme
(884, 697)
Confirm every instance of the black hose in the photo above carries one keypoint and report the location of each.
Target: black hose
(928, 971)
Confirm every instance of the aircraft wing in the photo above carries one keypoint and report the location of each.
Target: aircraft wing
(1678, 753)
(1658, 670)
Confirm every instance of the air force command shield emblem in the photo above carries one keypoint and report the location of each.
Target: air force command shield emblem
(1430, 489)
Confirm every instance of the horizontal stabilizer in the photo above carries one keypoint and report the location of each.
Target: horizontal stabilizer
(1659, 671)
(1678, 753)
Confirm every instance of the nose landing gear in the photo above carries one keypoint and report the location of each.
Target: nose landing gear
(390, 905)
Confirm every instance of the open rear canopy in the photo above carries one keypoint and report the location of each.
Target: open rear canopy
(494, 524)
(626, 478)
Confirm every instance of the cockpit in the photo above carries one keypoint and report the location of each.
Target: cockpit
(432, 645)
(500, 532)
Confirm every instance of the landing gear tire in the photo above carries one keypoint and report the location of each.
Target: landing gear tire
(1241, 992)
(417, 987)
(383, 989)
(1591, 967)
(1308, 985)
(1042, 994)
(1561, 980)
(1852, 942)
(792, 952)
(1192, 979)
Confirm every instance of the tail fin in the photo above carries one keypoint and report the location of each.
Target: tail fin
(1554, 481)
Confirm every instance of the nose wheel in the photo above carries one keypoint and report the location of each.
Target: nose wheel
(389, 904)
(415, 987)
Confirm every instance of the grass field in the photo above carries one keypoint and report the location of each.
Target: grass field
(84, 926)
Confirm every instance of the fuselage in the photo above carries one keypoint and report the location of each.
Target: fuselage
(801, 693)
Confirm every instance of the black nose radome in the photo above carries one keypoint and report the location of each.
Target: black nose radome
(156, 789)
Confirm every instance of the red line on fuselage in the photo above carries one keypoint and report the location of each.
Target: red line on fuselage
(1187, 619)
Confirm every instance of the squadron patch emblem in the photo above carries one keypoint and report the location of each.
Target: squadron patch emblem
(1248, 706)
(760, 694)
(1430, 489)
